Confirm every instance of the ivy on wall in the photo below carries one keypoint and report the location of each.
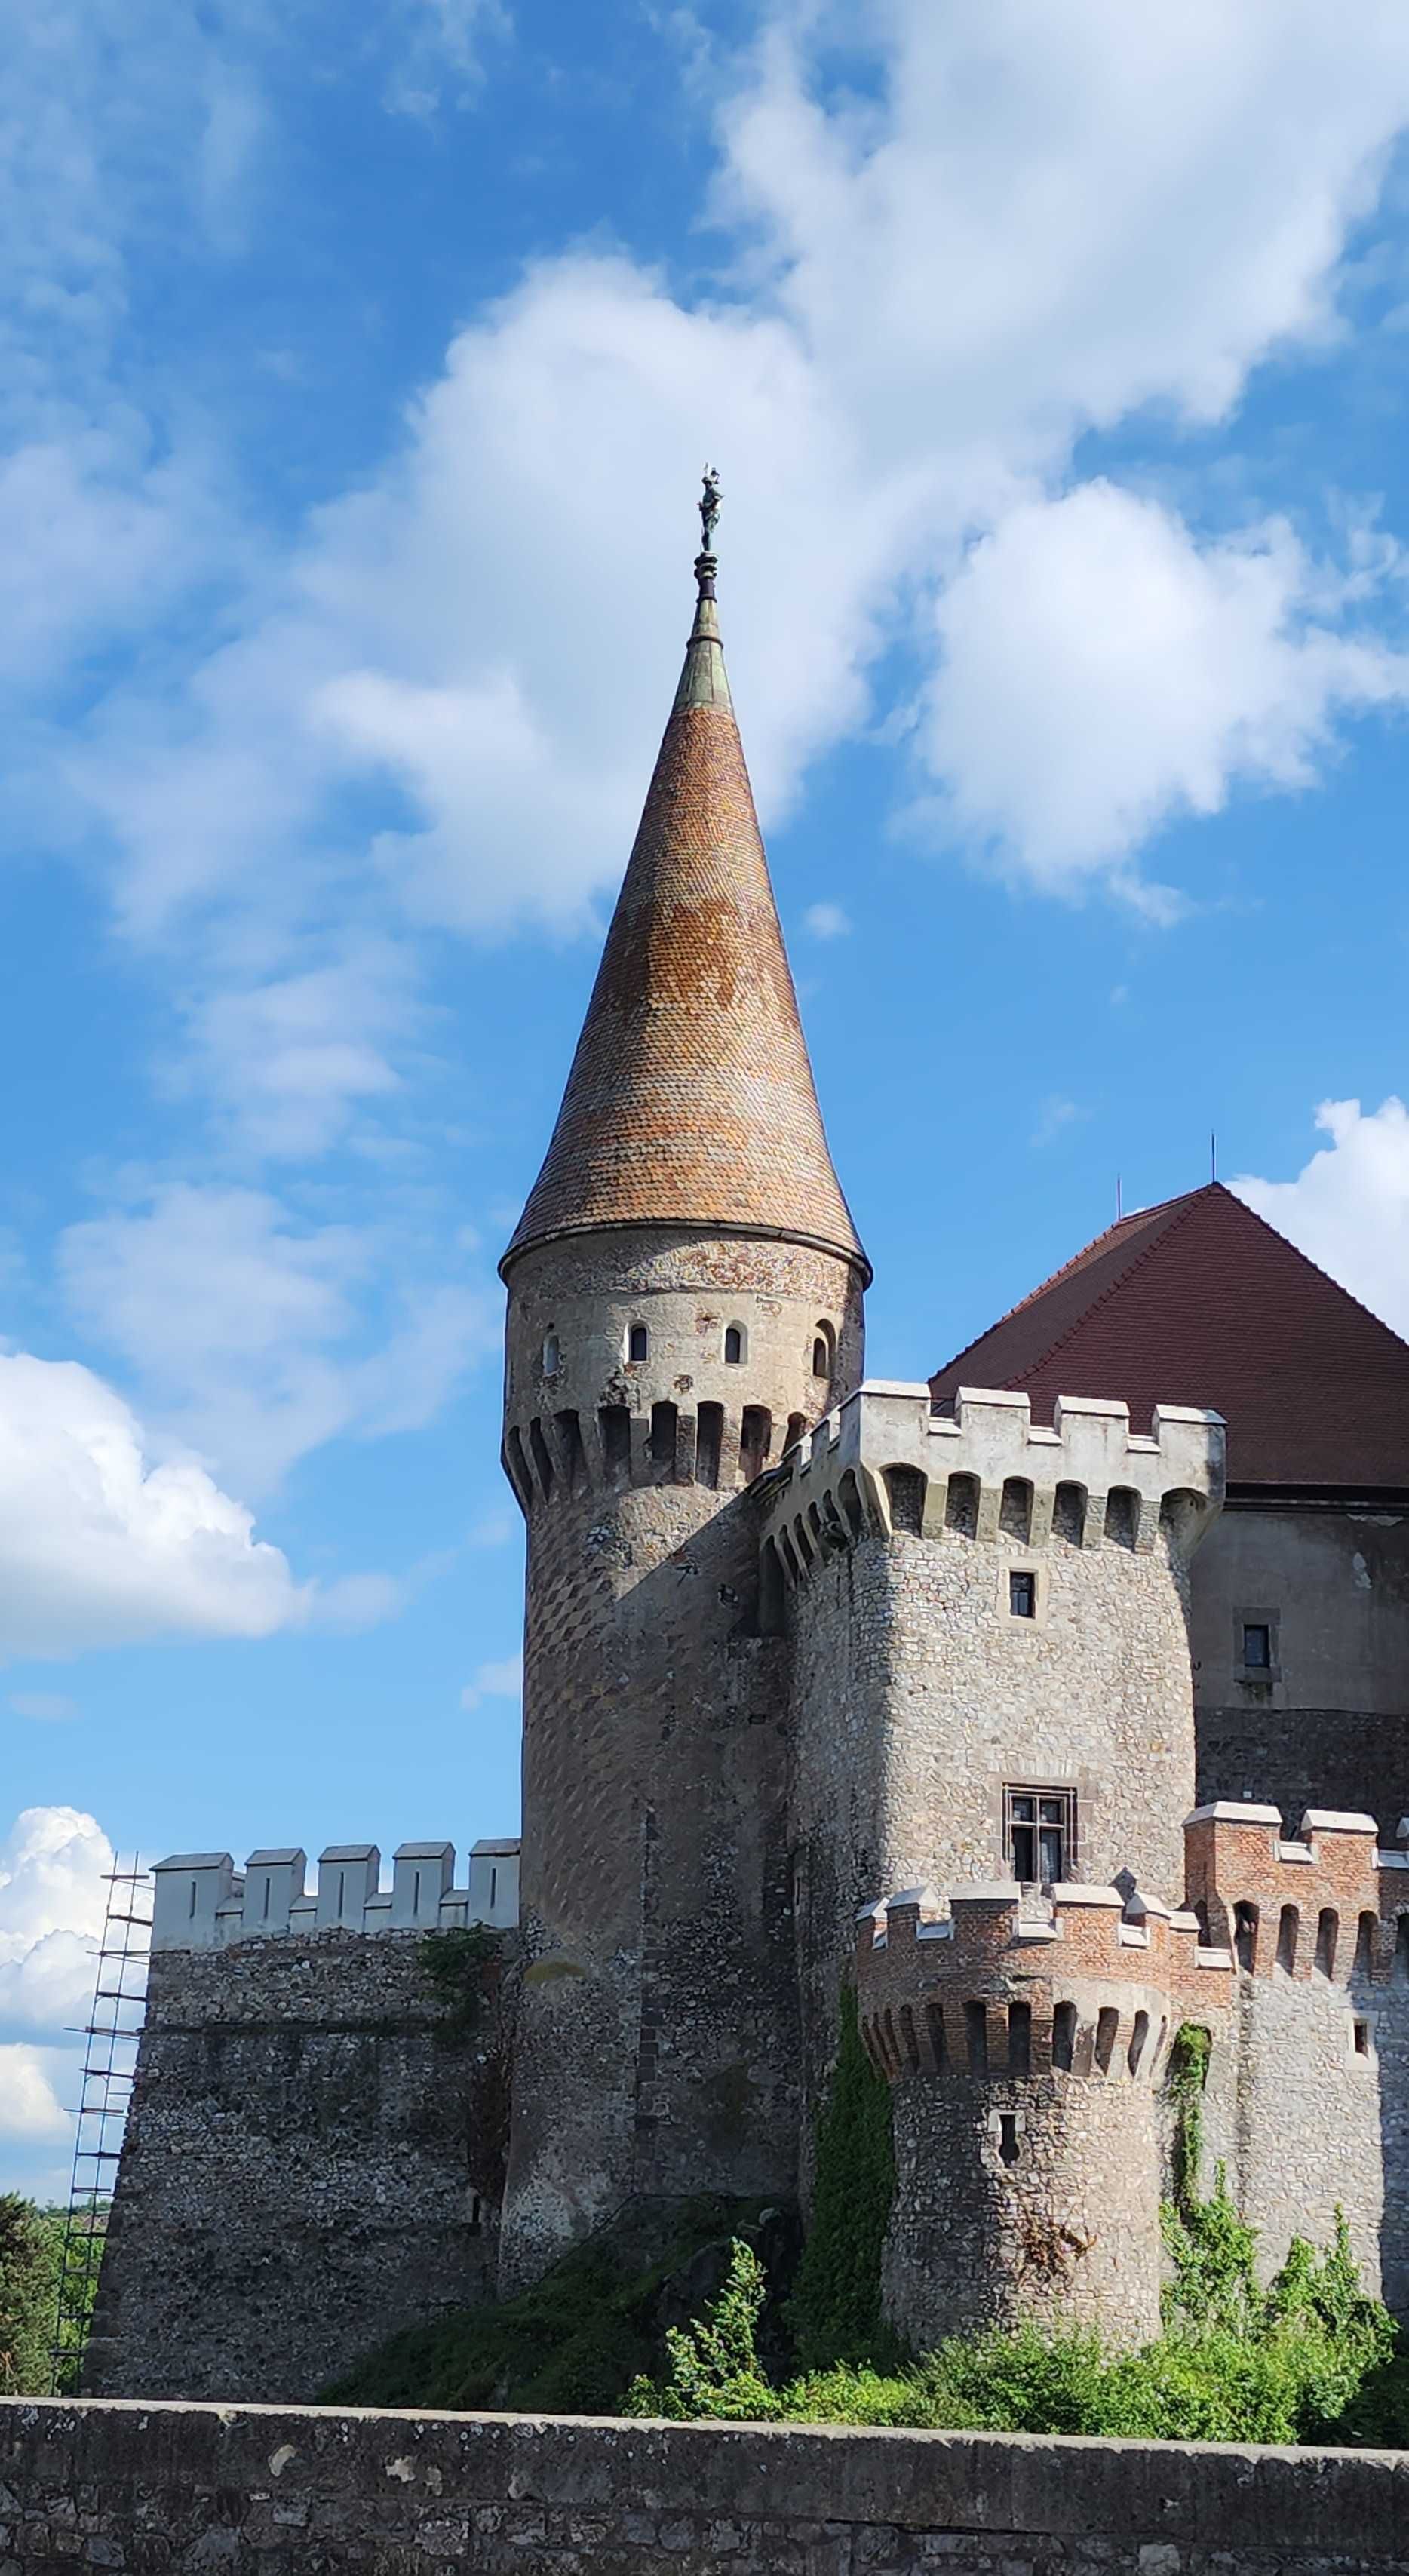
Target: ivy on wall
(835, 2310)
(1184, 2081)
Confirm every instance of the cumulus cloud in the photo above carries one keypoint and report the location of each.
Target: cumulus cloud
(1348, 1207)
(1103, 672)
(1034, 228)
(498, 1679)
(53, 1889)
(246, 1327)
(101, 1547)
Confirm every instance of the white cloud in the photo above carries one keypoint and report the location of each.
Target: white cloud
(1055, 1114)
(1103, 672)
(1348, 1208)
(100, 1547)
(53, 1865)
(49, 1708)
(826, 921)
(245, 1327)
(501, 1679)
(31, 2113)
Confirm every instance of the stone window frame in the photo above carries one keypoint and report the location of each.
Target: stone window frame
(1070, 1795)
(1368, 2056)
(1041, 1576)
(1257, 1617)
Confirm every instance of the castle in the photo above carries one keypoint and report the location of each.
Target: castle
(1053, 1705)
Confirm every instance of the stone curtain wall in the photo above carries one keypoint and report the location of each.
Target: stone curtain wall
(311, 2162)
(145, 2488)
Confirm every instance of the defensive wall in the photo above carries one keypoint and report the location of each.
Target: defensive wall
(315, 2149)
(894, 1544)
(1026, 2034)
(285, 2492)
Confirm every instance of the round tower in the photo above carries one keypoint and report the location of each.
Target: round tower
(685, 1298)
(1024, 2043)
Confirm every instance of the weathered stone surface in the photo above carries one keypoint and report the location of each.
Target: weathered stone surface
(234, 2489)
(309, 2164)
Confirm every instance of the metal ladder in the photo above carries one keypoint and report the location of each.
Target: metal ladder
(109, 2065)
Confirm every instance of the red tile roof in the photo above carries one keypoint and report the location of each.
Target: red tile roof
(690, 1100)
(1200, 1302)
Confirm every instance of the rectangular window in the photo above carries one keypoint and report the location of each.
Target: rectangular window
(1022, 1595)
(1039, 1829)
(1257, 1645)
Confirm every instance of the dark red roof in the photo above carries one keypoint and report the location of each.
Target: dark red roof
(1201, 1302)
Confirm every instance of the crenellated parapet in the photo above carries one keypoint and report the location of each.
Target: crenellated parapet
(202, 1902)
(885, 1460)
(1085, 1982)
(1326, 1904)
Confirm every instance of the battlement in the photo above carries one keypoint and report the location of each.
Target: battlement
(1327, 1904)
(1088, 1981)
(885, 1460)
(202, 1902)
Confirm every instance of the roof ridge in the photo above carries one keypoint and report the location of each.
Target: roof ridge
(1122, 1277)
(1064, 1270)
(1400, 1339)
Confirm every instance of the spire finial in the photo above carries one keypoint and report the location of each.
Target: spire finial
(706, 561)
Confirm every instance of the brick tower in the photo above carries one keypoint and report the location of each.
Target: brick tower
(685, 1297)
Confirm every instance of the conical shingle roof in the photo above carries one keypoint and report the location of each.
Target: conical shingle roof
(691, 1100)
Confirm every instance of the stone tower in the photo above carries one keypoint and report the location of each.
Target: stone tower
(685, 1298)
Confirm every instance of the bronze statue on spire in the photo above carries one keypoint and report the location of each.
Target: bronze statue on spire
(710, 499)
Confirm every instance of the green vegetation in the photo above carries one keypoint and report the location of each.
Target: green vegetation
(572, 2344)
(1184, 2082)
(1310, 2359)
(31, 2251)
(452, 1967)
(835, 2311)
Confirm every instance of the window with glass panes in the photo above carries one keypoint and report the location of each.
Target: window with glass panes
(1040, 1834)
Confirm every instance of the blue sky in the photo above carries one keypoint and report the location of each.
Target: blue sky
(359, 370)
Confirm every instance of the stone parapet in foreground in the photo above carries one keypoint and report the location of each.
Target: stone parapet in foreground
(131, 2486)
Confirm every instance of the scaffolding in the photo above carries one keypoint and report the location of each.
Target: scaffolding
(110, 2038)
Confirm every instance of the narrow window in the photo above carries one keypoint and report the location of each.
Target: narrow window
(1139, 2034)
(1069, 1514)
(1008, 2137)
(665, 1424)
(1022, 1595)
(1365, 1931)
(1019, 2039)
(1257, 1646)
(797, 1424)
(1287, 1927)
(755, 1440)
(1122, 1516)
(538, 1451)
(906, 1488)
(614, 1429)
(493, 1888)
(1245, 1935)
(708, 1444)
(638, 1343)
(1362, 2039)
(907, 2033)
(1015, 1511)
(939, 2050)
(476, 2214)
(191, 1908)
(734, 1344)
(552, 1355)
(961, 1505)
(822, 1351)
(1107, 2024)
(976, 2027)
(574, 1455)
(1064, 2038)
(1327, 1934)
(1040, 1834)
